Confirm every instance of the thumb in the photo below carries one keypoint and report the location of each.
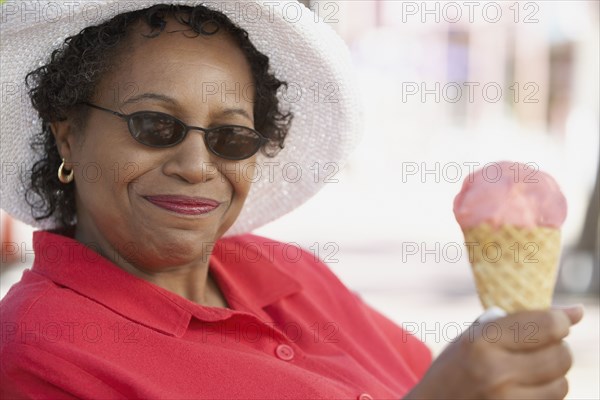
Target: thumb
(575, 312)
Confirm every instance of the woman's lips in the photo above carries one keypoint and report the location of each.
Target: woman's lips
(184, 204)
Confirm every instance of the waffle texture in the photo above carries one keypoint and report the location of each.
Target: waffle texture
(515, 268)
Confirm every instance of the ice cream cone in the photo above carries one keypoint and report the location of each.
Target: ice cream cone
(515, 268)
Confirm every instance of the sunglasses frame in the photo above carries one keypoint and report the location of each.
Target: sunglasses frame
(128, 118)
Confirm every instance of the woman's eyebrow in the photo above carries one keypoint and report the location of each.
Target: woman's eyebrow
(235, 111)
(167, 99)
(151, 96)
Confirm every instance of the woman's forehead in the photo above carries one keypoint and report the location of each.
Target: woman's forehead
(178, 43)
(181, 65)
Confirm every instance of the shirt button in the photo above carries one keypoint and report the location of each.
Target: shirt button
(365, 396)
(284, 352)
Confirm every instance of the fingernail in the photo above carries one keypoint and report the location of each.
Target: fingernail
(570, 307)
(578, 305)
(574, 312)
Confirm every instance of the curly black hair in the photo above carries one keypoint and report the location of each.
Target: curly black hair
(73, 71)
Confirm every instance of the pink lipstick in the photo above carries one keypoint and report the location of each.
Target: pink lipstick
(184, 204)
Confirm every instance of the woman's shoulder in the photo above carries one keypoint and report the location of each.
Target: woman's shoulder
(39, 311)
(41, 336)
(19, 302)
(35, 313)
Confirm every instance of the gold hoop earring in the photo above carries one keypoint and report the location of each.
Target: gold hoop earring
(62, 177)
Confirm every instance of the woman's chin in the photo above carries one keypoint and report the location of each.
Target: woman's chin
(158, 246)
(167, 256)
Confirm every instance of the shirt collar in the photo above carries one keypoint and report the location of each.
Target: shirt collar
(247, 269)
(249, 283)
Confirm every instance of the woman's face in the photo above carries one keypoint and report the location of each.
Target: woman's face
(204, 81)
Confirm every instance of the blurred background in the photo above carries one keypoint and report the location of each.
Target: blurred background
(447, 87)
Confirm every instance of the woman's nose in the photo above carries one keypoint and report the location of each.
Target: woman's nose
(191, 160)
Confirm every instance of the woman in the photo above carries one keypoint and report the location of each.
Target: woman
(158, 125)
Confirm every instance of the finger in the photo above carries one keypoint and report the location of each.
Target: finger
(527, 330)
(575, 313)
(541, 366)
(556, 389)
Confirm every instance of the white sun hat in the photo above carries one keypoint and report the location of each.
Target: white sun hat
(303, 51)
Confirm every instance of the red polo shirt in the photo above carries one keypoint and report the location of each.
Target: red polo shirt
(78, 326)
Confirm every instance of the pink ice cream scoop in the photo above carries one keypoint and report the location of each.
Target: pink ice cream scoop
(510, 193)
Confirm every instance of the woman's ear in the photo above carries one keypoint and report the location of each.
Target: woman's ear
(65, 136)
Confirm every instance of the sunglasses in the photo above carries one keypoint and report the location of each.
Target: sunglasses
(156, 129)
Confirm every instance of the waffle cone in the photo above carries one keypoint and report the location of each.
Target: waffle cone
(515, 268)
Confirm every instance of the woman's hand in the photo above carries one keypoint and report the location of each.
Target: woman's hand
(520, 356)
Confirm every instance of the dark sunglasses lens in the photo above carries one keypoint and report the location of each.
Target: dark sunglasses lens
(233, 142)
(155, 129)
